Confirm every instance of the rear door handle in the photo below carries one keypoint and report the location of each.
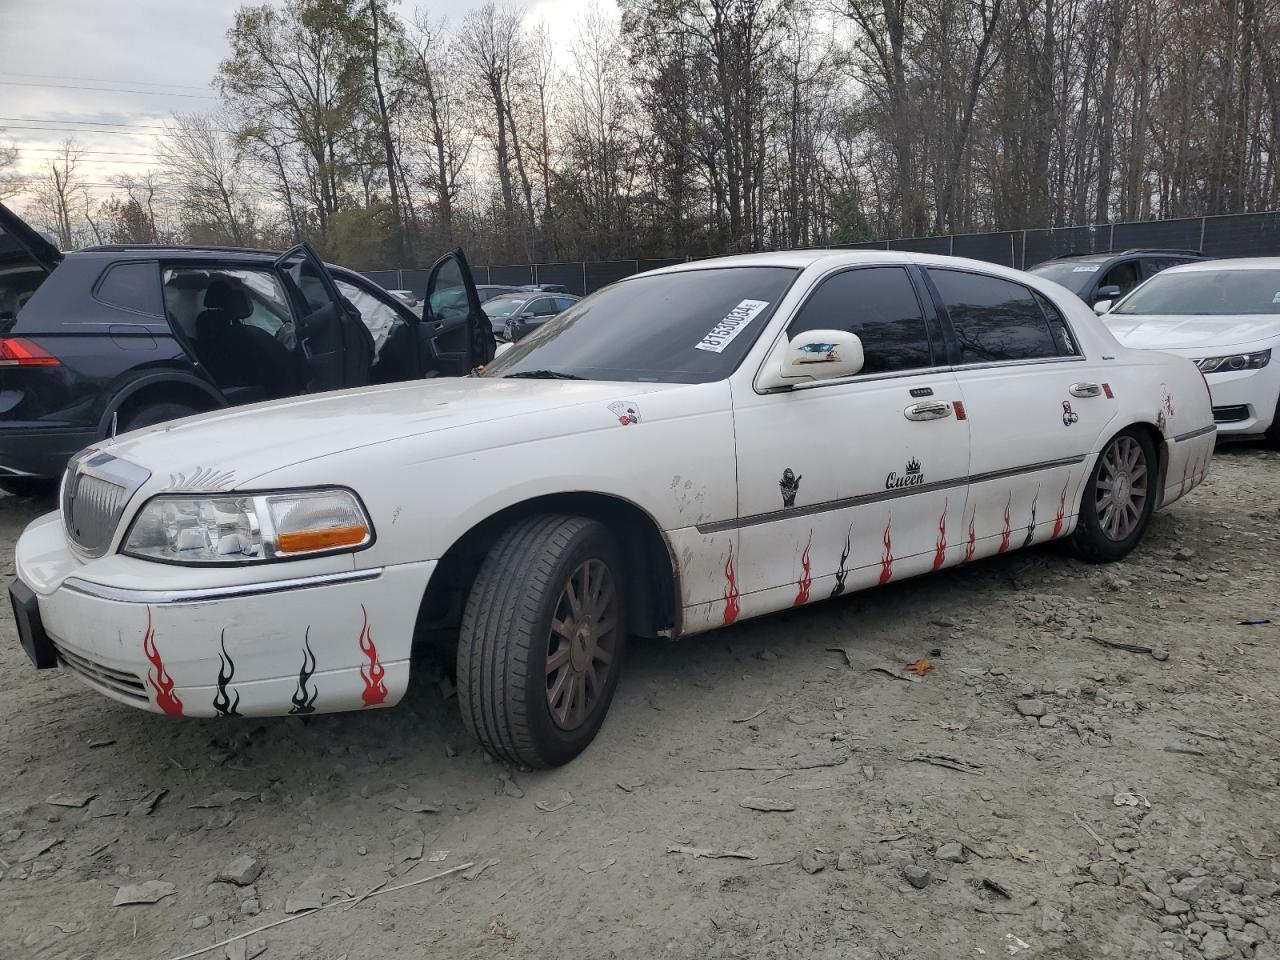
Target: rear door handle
(928, 410)
(1083, 390)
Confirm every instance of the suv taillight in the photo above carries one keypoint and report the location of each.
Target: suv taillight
(19, 352)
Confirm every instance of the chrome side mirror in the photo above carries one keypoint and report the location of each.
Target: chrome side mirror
(1102, 306)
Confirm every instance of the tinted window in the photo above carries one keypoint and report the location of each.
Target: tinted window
(994, 319)
(1058, 327)
(879, 305)
(1207, 293)
(691, 326)
(564, 303)
(1154, 265)
(542, 307)
(134, 286)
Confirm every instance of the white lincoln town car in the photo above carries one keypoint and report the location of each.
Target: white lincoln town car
(677, 452)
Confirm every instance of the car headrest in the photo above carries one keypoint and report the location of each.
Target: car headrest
(230, 297)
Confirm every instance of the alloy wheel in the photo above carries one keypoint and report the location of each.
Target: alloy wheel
(1121, 487)
(581, 645)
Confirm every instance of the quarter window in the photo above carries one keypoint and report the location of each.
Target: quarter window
(878, 304)
(995, 320)
(134, 286)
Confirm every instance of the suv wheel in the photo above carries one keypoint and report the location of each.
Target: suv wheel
(1118, 498)
(150, 414)
(542, 640)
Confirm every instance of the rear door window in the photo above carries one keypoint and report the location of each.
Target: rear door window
(878, 304)
(995, 320)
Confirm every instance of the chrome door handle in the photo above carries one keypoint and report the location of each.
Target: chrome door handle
(1083, 390)
(929, 410)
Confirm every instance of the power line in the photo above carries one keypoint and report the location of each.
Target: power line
(116, 133)
(69, 86)
(96, 123)
(139, 83)
(85, 153)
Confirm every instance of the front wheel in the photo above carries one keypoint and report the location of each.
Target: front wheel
(542, 638)
(1118, 499)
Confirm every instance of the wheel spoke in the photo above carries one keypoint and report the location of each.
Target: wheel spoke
(558, 659)
(557, 690)
(601, 654)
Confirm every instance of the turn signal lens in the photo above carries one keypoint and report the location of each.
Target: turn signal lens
(351, 535)
(20, 352)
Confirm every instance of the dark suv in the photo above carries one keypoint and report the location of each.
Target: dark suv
(1109, 276)
(113, 338)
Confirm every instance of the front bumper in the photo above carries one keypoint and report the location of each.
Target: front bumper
(40, 452)
(314, 644)
(1244, 401)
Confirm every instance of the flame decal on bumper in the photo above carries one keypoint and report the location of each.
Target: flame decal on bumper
(940, 553)
(223, 705)
(1004, 534)
(304, 699)
(157, 676)
(886, 562)
(1062, 510)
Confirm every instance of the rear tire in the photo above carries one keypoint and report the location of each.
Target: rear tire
(542, 640)
(151, 414)
(1119, 498)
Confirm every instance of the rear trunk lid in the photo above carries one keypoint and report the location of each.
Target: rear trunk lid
(26, 259)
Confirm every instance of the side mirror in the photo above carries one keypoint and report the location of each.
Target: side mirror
(1110, 292)
(816, 355)
(1102, 306)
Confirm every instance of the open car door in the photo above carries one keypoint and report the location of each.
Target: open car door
(337, 348)
(457, 335)
(26, 258)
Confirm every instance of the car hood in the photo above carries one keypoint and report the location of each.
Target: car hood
(228, 449)
(1188, 332)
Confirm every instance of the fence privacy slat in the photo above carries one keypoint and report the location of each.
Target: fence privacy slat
(1230, 235)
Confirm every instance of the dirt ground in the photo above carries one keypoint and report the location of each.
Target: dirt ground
(1137, 817)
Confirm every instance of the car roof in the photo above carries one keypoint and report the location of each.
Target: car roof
(1238, 263)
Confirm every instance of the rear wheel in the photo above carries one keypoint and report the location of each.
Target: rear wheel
(151, 414)
(1118, 499)
(542, 640)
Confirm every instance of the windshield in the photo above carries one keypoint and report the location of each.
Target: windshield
(1212, 293)
(504, 306)
(1075, 276)
(693, 326)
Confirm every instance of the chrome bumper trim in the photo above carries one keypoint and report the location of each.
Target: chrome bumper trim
(207, 594)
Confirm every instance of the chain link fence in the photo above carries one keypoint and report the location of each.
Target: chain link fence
(1230, 235)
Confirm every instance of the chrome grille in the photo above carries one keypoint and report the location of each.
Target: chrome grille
(118, 681)
(95, 491)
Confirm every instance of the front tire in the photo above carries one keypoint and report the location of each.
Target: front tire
(1118, 498)
(1273, 431)
(542, 640)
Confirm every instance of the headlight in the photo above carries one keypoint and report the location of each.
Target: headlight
(248, 529)
(1237, 361)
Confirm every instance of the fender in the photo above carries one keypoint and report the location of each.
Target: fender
(150, 380)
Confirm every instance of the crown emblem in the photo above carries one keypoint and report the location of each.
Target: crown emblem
(913, 466)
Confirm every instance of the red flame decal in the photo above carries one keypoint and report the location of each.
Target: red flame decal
(806, 580)
(886, 562)
(1004, 534)
(157, 676)
(972, 543)
(940, 554)
(1062, 509)
(731, 607)
(375, 691)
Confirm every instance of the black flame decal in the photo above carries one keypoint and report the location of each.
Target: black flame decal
(1031, 526)
(224, 705)
(843, 572)
(304, 699)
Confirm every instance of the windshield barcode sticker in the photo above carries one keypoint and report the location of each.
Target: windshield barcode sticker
(722, 333)
(1084, 269)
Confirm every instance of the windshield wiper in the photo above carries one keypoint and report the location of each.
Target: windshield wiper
(541, 375)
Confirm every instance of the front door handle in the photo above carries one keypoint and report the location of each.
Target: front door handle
(928, 410)
(1083, 390)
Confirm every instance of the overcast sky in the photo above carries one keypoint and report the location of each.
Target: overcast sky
(141, 60)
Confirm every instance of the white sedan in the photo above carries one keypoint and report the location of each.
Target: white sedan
(682, 450)
(1224, 315)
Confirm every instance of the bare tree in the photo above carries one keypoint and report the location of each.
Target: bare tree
(60, 193)
(197, 159)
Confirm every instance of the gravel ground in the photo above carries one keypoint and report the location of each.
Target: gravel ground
(1035, 793)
